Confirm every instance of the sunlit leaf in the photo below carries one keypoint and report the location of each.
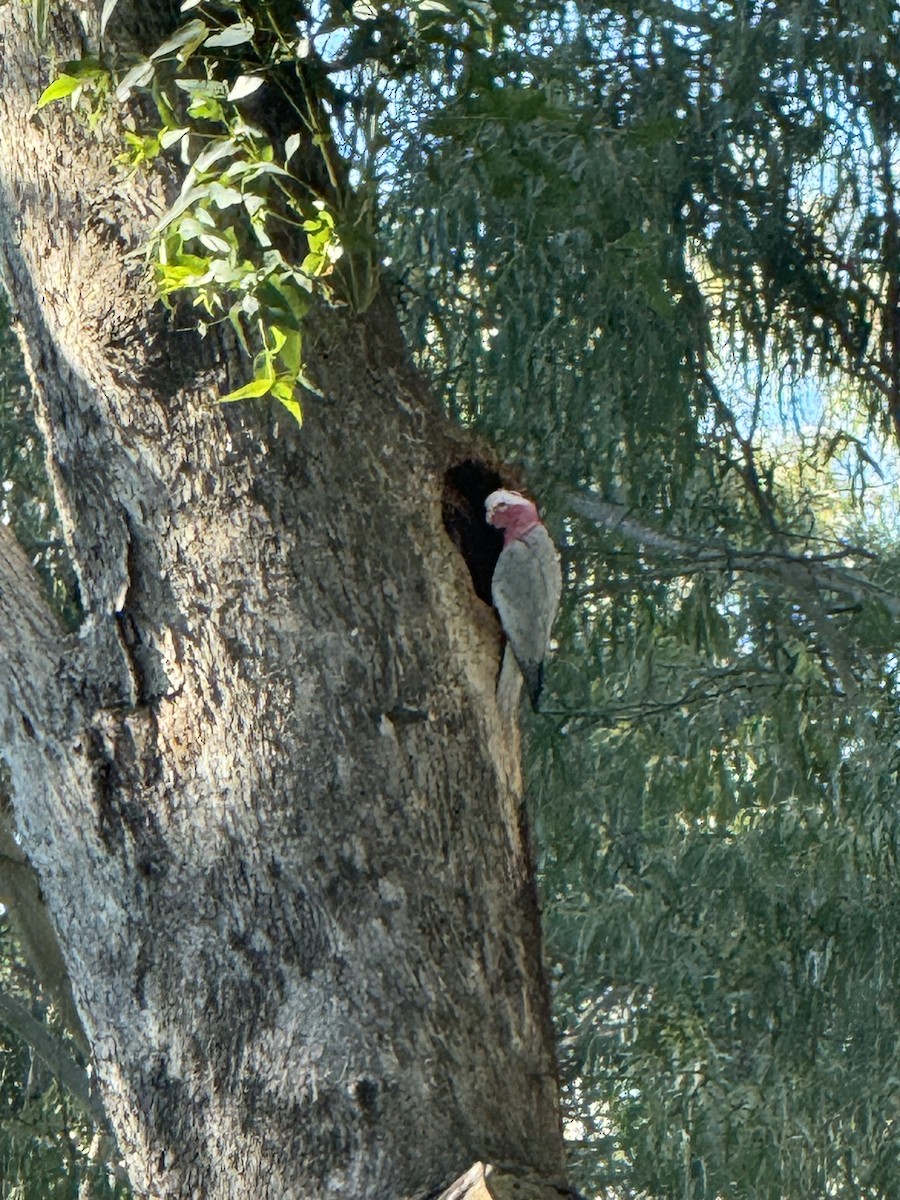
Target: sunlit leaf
(291, 146)
(189, 197)
(63, 86)
(109, 7)
(285, 394)
(233, 35)
(189, 35)
(245, 85)
(250, 391)
(139, 76)
(170, 137)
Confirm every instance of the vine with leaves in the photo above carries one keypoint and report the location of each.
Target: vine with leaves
(248, 239)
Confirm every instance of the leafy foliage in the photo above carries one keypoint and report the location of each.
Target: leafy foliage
(652, 270)
(232, 239)
(241, 88)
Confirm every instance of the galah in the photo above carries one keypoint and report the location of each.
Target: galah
(526, 584)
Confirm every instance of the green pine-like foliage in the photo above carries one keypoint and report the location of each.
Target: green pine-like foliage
(646, 251)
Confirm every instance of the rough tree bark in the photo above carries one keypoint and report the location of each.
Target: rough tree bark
(272, 806)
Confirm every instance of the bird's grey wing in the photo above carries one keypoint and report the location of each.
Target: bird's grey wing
(548, 577)
(525, 589)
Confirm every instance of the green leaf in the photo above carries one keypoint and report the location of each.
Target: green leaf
(282, 303)
(188, 49)
(304, 381)
(291, 146)
(244, 85)
(205, 96)
(86, 68)
(190, 271)
(214, 243)
(189, 227)
(109, 7)
(285, 394)
(142, 148)
(291, 350)
(253, 203)
(224, 197)
(202, 87)
(207, 110)
(139, 76)
(250, 391)
(227, 275)
(170, 137)
(186, 39)
(234, 316)
(65, 85)
(253, 170)
(234, 35)
(182, 204)
(215, 152)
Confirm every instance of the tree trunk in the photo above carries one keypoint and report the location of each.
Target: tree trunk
(275, 813)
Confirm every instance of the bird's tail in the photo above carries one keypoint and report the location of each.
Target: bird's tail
(534, 683)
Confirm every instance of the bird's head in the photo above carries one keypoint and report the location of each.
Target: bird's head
(510, 511)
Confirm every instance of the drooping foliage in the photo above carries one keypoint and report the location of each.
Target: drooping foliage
(654, 254)
(648, 251)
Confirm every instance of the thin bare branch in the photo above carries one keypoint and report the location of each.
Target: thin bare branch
(20, 894)
(54, 1053)
(820, 571)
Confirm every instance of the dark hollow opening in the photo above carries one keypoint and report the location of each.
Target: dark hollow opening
(467, 485)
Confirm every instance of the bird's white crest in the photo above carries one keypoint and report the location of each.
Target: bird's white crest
(502, 496)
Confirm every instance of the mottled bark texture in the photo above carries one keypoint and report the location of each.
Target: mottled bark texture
(274, 812)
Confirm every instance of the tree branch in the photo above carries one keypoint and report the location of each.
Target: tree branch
(54, 1054)
(708, 688)
(20, 893)
(818, 570)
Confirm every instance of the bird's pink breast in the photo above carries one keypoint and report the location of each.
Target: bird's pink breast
(517, 522)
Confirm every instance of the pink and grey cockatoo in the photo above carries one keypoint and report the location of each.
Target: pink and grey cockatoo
(526, 584)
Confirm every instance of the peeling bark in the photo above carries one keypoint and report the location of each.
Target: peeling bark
(274, 811)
